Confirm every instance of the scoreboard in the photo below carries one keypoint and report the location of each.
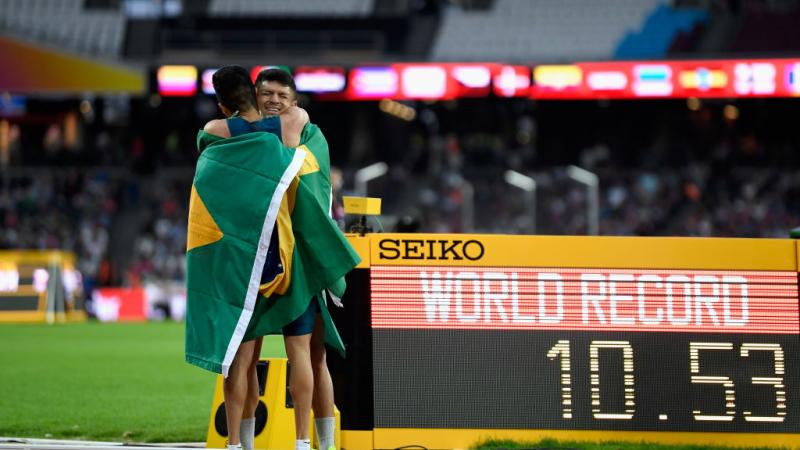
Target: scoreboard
(456, 338)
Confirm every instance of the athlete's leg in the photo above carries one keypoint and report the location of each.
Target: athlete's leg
(235, 390)
(324, 420)
(247, 429)
(297, 339)
(323, 386)
(301, 381)
(252, 381)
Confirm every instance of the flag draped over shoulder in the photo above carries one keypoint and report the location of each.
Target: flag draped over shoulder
(244, 188)
(314, 230)
(319, 182)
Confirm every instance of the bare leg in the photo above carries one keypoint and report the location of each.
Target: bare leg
(323, 386)
(235, 389)
(251, 402)
(301, 381)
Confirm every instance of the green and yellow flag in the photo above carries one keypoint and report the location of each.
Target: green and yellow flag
(245, 188)
(315, 182)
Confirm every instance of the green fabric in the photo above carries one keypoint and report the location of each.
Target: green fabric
(314, 263)
(320, 182)
(229, 174)
(236, 178)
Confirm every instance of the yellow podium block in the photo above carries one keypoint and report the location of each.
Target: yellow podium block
(369, 206)
(274, 414)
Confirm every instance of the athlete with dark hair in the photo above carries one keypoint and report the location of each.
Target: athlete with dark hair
(237, 100)
(275, 95)
(276, 91)
(310, 380)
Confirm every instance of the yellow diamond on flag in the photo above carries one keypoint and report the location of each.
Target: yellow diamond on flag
(203, 230)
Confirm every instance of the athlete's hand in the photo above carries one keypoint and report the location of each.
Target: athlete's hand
(292, 122)
(296, 114)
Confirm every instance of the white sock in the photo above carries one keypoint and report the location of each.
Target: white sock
(235, 447)
(325, 428)
(247, 433)
(302, 444)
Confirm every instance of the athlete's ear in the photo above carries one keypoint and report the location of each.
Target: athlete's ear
(294, 102)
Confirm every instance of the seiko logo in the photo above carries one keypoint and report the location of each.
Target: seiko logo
(452, 250)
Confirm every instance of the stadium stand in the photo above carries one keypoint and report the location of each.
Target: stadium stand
(340, 31)
(109, 217)
(659, 31)
(546, 30)
(61, 209)
(66, 25)
(309, 8)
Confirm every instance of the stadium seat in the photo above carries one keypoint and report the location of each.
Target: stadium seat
(64, 24)
(658, 32)
(279, 8)
(539, 30)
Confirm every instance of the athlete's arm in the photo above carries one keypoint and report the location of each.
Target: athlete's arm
(292, 122)
(219, 127)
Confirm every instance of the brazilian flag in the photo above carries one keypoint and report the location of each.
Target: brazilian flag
(245, 189)
(315, 183)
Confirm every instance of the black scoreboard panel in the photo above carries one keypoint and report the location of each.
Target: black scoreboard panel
(586, 380)
(352, 376)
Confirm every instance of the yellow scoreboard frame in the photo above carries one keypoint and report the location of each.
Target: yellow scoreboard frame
(40, 286)
(718, 258)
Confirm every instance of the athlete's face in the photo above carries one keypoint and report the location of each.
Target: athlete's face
(274, 98)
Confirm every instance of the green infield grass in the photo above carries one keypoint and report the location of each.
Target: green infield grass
(552, 444)
(112, 382)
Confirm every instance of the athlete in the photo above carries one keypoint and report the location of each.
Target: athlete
(237, 100)
(242, 115)
(310, 381)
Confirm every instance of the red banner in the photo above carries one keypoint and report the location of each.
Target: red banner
(584, 299)
(724, 78)
(120, 304)
(437, 81)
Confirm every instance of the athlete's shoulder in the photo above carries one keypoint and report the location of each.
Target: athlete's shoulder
(271, 123)
(271, 119)
(218, 127)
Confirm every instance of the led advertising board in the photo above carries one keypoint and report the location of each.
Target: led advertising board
(177, 81)
(431, 81)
